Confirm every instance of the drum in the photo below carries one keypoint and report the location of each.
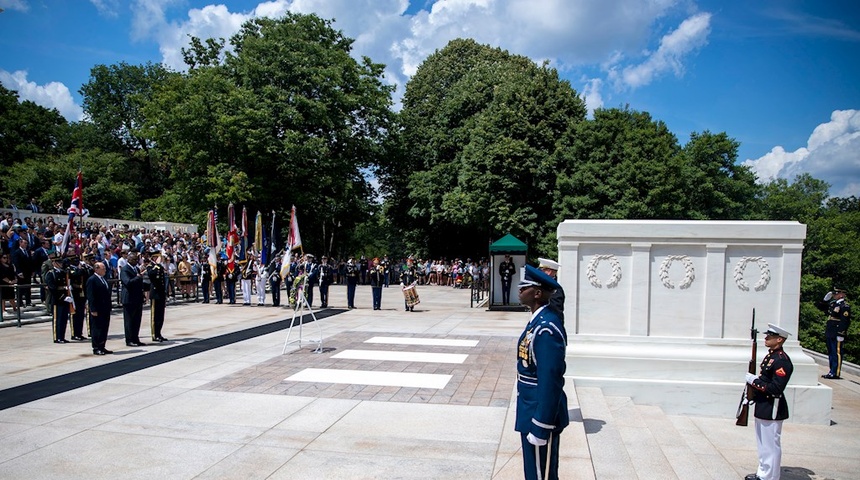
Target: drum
(410, 293)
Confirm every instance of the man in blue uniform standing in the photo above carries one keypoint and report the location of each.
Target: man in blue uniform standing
(771, 407)
(838, 320)
(541, 401)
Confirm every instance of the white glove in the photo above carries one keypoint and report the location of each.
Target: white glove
(750, 378)
(69, 300)
(535, 441)
(828, 296)
(840, 339)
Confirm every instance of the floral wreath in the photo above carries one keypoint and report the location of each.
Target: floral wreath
(591, 271)
(689, 271)
(764, 277)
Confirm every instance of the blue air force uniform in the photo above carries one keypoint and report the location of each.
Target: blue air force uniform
(541, 401)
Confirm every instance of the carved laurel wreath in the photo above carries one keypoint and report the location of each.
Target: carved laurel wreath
(764, 277)
(689, 271)
(591, 271)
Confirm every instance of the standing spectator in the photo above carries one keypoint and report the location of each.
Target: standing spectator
(132, 300)
(24, 266)
(8, 282)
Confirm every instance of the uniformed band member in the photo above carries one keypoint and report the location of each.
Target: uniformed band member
(838, 320)
(541, 402)
(377, 281)
(157, 295)
(408, 276)
(311, 269)
(551, 267)
(79, 273)
(260, 278)
(352, 274)
(326, 275)
(249, 273)
(56, 281)
(100, 302)
(507, 270)
(132, 300)
(771, 407)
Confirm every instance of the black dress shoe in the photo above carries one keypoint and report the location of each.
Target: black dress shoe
(831, 377)
(107, 351)
(78, 338)
(99, 352)
(160, 339)
(61, 340)
(752, 476)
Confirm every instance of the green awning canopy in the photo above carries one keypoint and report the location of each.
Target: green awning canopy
(508, 244)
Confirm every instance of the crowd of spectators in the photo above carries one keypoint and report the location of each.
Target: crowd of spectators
(28, 242)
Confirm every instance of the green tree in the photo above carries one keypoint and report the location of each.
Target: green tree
(479, 130)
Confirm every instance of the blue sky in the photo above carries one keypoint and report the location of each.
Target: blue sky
(780, 76)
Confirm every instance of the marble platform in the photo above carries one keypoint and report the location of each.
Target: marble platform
(661, 311)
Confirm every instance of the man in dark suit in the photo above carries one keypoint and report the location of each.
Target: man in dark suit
(541, 402)
(132, 300)
(24, 265)
(100, 302)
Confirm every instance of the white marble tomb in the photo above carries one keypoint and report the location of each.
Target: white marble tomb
(660, 310)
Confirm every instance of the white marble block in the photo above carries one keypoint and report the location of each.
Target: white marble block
(660, 310)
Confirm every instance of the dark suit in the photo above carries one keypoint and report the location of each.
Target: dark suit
(99, 299)
(25, 265)
(132, 302)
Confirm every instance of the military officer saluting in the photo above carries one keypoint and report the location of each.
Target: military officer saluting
(838, 310)
(79, 273)
(157, 295)
(57, 283)
(541, 402)
(771, 407)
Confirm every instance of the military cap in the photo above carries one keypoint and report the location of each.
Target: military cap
(776, 330)
(547, 263)
(532, 277)
(840, 289)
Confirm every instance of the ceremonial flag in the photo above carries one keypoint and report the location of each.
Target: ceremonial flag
(272, 247)
(232, 237)
(75, 208)
(244, 247)
(293, 242)
(258, 234)
(213, 241)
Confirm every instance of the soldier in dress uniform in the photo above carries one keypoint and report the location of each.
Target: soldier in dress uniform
(551, 267)
(326, 275)
(260, 278)
(218, 280)
(507, 270)
(157, 295)
(541, 402)
(56, 280)
(79, 273)
(231, 276)
(838, 310)
(377, 280)
(352, 274)
(205, 279)
(364, 269)
(408, 276)
(771, 407)
(274, 270)
(249, 273)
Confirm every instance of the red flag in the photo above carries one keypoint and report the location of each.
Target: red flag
(75, 208)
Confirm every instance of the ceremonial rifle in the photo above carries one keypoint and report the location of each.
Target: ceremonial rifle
(747, 395)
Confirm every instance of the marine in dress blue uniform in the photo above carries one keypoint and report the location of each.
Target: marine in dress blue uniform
(541, 402)
(838, 320)
(771, 407)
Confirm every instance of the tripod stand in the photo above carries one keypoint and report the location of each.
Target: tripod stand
(302, 304)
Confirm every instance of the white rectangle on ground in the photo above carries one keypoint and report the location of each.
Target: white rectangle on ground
(383, 355)
(364, 377)
(433, 342)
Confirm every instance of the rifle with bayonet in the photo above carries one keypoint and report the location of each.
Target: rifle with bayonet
(747, 395)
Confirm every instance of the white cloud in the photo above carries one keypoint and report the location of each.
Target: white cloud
(51, 95)
(107, 8)
(19, 5)
(830, 155)
(591, 95)
(691, 35)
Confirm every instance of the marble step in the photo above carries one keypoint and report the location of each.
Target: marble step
(609, 455)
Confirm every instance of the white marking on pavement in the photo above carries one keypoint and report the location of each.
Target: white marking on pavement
(438, 342)
(363, 377)
(402, 356)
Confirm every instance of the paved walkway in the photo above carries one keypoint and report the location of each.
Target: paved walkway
(393, 394)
